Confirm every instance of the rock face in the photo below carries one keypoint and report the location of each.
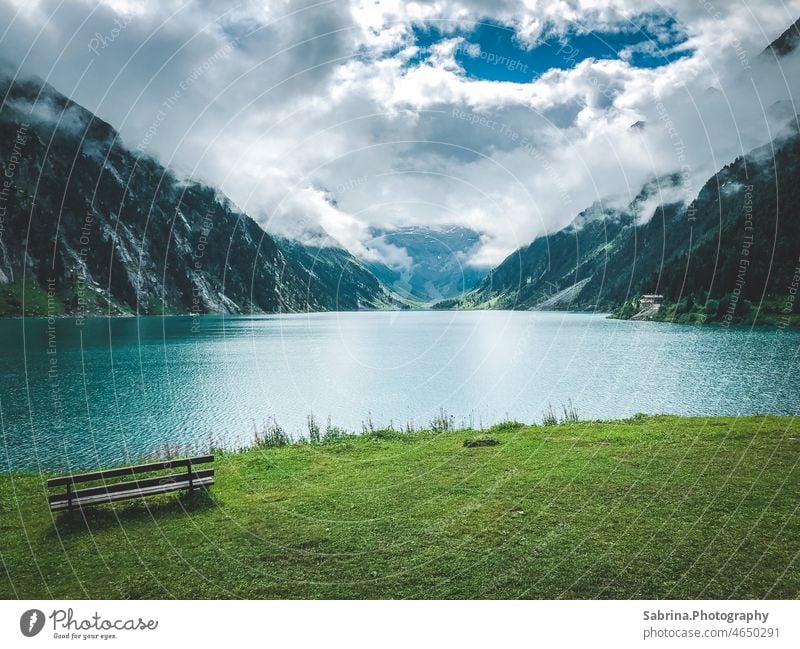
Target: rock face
(785, 44)
(87, 226)
(740, 236)
(345, 281)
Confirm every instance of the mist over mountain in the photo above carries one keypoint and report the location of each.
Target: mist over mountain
(347, 282)
(90, 227)
(736, 244)
(427, 263)
(398, 115)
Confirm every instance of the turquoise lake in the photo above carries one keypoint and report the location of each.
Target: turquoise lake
(120, 389)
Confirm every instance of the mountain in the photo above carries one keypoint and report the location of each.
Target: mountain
(433, 263)
(583, 266)
(785, 44)
(339, 275)
(87, 226)
(736, 244)
(744, 261)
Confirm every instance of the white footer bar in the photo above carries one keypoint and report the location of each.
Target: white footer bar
(379, 624)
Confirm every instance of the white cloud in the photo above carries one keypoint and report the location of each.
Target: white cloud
(309, 115)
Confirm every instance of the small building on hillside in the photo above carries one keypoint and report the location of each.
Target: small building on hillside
(651, 299)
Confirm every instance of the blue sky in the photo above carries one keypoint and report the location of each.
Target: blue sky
(647, 41)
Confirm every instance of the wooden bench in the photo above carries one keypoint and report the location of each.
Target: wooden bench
(188, 479)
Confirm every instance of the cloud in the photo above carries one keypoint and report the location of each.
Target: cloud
(393, 256)
(330, 117)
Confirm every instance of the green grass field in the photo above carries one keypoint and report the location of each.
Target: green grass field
(652, 507)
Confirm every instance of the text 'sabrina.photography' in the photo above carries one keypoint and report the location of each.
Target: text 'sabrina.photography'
(364, 323)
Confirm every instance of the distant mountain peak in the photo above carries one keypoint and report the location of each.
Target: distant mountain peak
(786, 43)
(430, 263)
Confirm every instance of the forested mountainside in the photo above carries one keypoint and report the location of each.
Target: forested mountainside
(735, 246)
(586, 265)
(87, 226)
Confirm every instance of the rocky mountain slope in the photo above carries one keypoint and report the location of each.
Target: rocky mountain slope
(346, 281)
(87, 226)
(737, 241)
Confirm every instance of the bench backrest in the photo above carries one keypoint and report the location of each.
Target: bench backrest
(129, 470)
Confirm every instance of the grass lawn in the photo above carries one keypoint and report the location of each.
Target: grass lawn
(652, 507)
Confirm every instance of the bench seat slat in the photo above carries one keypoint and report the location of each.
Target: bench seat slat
(130, 493)
(128, 470)
(133, 484)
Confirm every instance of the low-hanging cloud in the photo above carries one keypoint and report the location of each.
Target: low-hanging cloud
(325, 120)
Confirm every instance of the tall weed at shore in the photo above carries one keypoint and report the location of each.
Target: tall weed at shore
(570, 413)
(314, 435)
(272, 435)
(367, 426)
(333, 433)
(549, 416)
(443, 422)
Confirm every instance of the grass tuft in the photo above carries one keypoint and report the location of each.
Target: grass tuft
(272, 435)
(442, 422)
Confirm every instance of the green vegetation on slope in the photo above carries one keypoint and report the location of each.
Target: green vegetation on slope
(730, 310)
(652, 507)
(34, 298)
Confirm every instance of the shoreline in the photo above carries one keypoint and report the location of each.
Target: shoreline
(98, 316)
(275, 437)
(792, 324)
